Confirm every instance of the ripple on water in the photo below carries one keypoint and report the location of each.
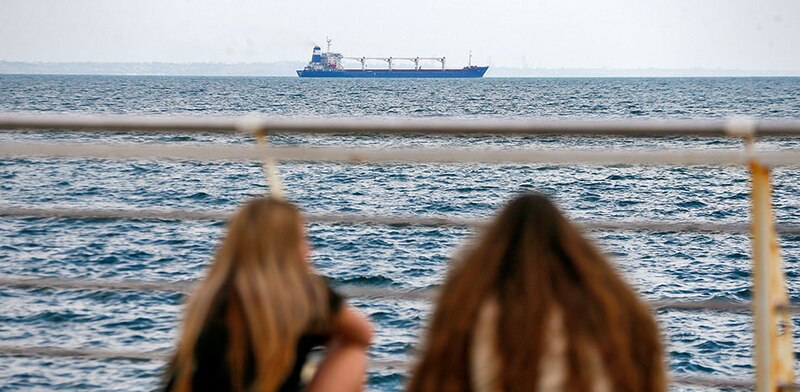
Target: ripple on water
(681, 266)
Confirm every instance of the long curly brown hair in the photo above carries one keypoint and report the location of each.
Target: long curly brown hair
(532, 260)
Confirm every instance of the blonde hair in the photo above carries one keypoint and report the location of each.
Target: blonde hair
(270, 293)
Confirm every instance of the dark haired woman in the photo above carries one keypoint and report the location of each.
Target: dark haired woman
(533, 306)
(260, 310)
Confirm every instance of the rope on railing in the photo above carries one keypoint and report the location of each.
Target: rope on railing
(218, 215)
(158, 355)
(350, 291)
(88, 284)
(268, 165)
(374, 365)
(377, 126)
(397, 221)
(154, 355)
(398, 155)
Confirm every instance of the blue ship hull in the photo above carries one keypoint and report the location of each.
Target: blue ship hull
(468, 72)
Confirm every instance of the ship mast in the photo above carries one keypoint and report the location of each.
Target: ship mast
(470, 58)
(329, 43)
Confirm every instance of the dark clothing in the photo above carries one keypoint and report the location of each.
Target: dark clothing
(212, 373)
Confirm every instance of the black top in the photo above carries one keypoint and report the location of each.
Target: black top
(211, 372)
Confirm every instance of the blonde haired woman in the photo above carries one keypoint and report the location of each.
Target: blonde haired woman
(260, 310)
(533, 306)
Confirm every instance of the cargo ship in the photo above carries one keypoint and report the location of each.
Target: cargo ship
(329, 65)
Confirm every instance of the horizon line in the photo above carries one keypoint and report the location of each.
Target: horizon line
(284, 62)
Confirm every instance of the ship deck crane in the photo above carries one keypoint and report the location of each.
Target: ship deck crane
(390, 60)
(439, 59)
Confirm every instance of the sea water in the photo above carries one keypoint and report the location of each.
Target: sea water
(660, 265)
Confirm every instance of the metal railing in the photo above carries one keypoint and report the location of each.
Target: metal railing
(739, 127)
(382, 220)
(773, 357)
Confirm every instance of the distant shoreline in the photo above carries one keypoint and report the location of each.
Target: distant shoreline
(287, 69)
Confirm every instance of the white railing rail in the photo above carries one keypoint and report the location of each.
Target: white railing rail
(738, 127)
(382, 220)
(186, 287)
(386, 155)
(774, 355)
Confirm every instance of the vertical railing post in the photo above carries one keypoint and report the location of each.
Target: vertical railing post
(774, 354)
(252, 126)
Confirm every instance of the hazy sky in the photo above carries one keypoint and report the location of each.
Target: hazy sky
(727, 34)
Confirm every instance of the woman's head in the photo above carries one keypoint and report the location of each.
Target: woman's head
(265, 234)
(261, 279)
(533, 262)
(529, 234)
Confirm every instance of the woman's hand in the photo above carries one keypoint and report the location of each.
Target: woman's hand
(350, 327)
(346, 359)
